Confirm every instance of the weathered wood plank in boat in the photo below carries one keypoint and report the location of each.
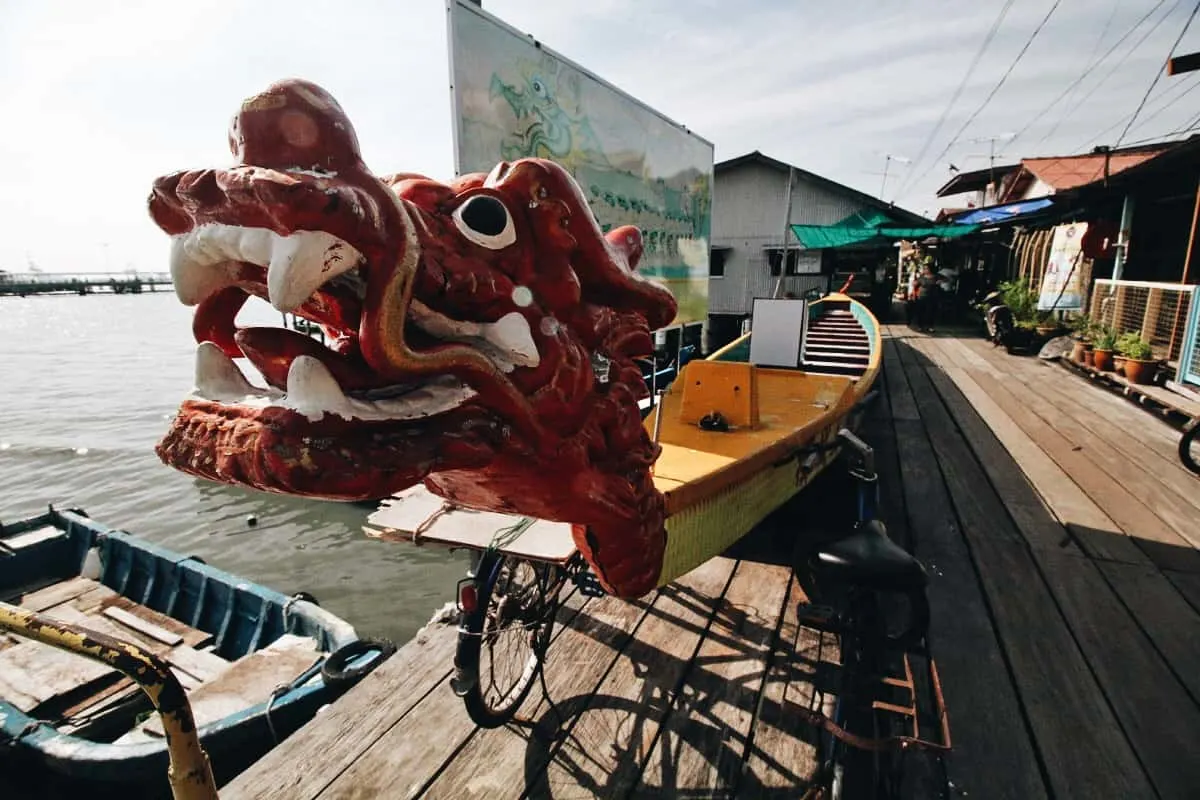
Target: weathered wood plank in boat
(29, 538)
(612, 730)
(418, 514)
(140, 625)
(497, 759)
(1060, 694)
(32, 673)
(323, 749)
(57, 594)
(248, 681)
(98, 596)
(708, 729)
(992, 746)
(200, 664)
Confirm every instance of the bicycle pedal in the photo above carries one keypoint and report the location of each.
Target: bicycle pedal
(589, 585)
(818, 617)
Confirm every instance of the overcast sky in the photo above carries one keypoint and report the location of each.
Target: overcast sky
(99, 98)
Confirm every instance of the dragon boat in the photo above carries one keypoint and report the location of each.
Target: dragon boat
(481, 355)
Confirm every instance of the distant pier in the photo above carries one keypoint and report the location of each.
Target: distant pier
(23, 284)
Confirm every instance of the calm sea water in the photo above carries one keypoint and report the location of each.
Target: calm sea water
(87, 386)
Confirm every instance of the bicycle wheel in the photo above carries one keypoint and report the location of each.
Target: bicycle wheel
(1189, 447)
(505, 636)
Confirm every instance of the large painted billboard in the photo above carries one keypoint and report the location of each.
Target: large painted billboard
(514, 98)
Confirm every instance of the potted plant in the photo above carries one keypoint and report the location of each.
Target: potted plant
(1081, 326)
(1102, 352)
(1140, 363)
(1047, 325)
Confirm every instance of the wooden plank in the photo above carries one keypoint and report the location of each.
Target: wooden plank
(324, 748)
(1060, 695)
(416, 514)
(142, 626)
(993, 751)
(1070, 505)
(193, 637)
(1129, 437)
(707, 731)
(201, 665)
(29, 538)
(1161, 543)
(491, 763)
(1163, 613)
(783, 753)
(1187, 584)
(1170, 506)
(609, 728)
(1159, 718)
(97, 597)
(248, 681)
(57, 594)
(32, 673)
(1020, 498)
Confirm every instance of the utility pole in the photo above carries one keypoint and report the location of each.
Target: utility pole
(991, 140)
(888, 158)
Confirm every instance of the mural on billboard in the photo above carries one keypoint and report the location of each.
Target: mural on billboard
(515, 99)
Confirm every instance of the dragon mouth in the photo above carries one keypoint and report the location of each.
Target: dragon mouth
(321, 278)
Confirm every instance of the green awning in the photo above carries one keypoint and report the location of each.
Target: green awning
(872, 227)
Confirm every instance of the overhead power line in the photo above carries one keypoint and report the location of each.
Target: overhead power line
(1164, 104)
(1158, 74)
(987, 40)
(994, 90)
(1084, 74)
(1068, 112)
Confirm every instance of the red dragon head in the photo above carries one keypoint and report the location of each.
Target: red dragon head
(481, 334)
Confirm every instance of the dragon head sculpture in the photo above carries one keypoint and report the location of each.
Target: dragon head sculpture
(479, 336)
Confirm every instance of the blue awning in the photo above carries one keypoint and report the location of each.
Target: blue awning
(1004, 213)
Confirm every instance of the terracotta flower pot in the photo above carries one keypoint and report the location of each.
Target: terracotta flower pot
(1089, 356)
(1139, 371)
(1119, 364)
(1078, 352)
(1103, 359)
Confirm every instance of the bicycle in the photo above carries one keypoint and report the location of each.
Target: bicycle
(862, 737)
(1189, 446)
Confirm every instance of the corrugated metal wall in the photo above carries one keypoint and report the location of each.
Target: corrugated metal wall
(748, 203)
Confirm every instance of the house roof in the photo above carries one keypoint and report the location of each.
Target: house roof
(975, 180)
(900, 214)
(1070, 172)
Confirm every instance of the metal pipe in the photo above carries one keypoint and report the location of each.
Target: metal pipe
(787, 221)
(1123, 237)
(190, 773)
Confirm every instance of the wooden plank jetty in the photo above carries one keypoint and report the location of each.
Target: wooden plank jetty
(24, 284)
(1060, 534)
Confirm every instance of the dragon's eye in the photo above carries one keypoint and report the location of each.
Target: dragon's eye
(485, 221)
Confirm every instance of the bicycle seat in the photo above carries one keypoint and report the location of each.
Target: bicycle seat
(868, 558)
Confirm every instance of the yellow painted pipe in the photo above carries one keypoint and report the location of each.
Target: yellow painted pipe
(190, 774)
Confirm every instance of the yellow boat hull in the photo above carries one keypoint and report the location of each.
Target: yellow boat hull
(720, 484)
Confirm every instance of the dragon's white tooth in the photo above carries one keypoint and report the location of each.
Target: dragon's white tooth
(218, 378)
(511, 334)
(313, 391)
(195, 279)
(303, 261)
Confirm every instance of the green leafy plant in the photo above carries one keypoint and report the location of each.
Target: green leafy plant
(1082, 327)
(1132, 345)
(1105, 338)
(1020, 299)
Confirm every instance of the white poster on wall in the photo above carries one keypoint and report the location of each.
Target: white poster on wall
(1062, 285)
